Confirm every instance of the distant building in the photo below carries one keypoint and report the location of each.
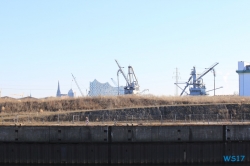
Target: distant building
(59, 94)
(104, 89)
(244, 78)
(71, 93)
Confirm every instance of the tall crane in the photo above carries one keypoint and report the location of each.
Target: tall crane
(77, 85)
(132, 85)
(197, 86)
(114, 82)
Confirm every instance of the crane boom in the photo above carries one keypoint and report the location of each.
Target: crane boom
(114, 82)
(77, 85)
(120, 68)
(206, 71)
(187, 84)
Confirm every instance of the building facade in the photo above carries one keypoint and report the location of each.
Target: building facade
(244, 78)
(104, 89)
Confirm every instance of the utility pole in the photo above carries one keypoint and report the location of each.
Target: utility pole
(177, 77)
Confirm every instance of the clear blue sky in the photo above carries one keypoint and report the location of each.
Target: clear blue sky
(44, 41)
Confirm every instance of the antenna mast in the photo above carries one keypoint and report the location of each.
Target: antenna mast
(176, 76)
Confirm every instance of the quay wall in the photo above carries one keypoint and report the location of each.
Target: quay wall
(124, 144)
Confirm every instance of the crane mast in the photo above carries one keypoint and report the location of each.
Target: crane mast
(77, 85)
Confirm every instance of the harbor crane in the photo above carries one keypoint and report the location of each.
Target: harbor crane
(132, 85)
(197, 86)
(77, 85)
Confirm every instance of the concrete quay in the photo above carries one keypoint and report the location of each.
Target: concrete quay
(180, 144)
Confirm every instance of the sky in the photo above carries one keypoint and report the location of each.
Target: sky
(43, 42)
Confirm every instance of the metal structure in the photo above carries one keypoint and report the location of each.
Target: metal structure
(132, 85)
(144, 91)
(197, 86)
(177, 77)
(77, 85)
(114, 82)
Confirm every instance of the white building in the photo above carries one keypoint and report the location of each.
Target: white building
(244, 78)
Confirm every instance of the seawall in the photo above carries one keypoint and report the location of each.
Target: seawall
(185, 144)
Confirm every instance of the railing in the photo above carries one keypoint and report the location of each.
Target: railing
(81, 119)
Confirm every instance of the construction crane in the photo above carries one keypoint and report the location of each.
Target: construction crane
(114, 82)
(197, 85)
(77, 85)
(132, 85)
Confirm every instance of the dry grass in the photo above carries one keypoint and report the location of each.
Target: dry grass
(110, 102)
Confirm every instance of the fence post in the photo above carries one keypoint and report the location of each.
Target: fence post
(132, 118)
(217, 118)
(161, 119)
(231, 118)
(102, 118)
(185, 118)
(190, 118)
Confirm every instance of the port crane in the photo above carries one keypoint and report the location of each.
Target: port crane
(77, 85)
(197, 86)
(132, 85)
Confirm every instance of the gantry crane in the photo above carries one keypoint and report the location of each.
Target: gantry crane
(197, 86)
(77, 85)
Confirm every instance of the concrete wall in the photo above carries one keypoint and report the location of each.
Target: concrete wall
(54, 134)
(79, 134)
(123, 144)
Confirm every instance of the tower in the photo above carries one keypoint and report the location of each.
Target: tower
(244, 78)
(58, 93)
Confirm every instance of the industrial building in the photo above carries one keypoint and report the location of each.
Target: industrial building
(104, 89)
(59, 94)
(244, 78)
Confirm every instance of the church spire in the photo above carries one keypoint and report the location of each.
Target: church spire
(58, 93)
